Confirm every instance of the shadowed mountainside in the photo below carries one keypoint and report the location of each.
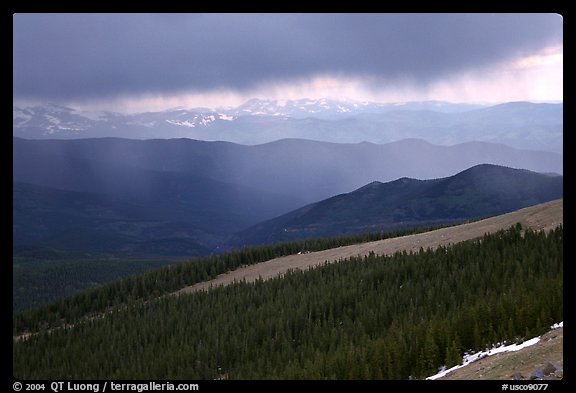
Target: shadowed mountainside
(482, 190)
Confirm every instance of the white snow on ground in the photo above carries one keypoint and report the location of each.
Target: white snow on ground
(226, 117)
(207, 119)
(185, 123)
(467, 359)
(52, 119)
(557, 325)
(204, 120)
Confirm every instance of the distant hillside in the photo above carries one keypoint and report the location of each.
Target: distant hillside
(482, 190)
(522, 125)
(77, 205)
(186, 197)
(82, 221)
(302, 170)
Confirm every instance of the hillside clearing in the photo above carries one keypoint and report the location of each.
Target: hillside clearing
(545, 216)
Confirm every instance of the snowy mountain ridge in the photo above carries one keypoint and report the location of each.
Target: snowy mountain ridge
(521, 125)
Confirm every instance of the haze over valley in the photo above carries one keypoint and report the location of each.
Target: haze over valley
(186, 197)
(381, 195)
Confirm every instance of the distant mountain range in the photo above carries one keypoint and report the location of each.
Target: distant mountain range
(327, 109)
(521, 125)
(305, 171)
(80, 204)
(480, 191)
(186, 197)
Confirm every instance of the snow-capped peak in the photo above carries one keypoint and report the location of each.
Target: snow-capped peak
(322, 108)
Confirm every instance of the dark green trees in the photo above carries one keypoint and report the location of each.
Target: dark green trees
(375, 317)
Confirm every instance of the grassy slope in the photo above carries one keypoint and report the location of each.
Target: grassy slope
(502, 366)
(543, 216)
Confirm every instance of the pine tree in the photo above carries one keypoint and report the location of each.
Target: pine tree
(453, 355)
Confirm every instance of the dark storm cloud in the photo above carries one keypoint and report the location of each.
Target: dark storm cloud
(77, 56)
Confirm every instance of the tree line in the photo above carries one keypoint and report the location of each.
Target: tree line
(373, 317)
(150, 284)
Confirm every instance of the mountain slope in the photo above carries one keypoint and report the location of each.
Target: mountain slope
(375, 317)
(92, 222)
(191, 192)
(304, 170)
(83, 205)
(476, 192)
(522, 125)
(542, 217)
(518, 365)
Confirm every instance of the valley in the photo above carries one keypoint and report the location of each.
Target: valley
(113, 216)
(99, 213)
(191, 198)
(328, 199)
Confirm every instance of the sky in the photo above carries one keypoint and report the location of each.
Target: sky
(148, 62)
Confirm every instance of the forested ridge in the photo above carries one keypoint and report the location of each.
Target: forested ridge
(38, 281)
(376, 317)
(153, 283)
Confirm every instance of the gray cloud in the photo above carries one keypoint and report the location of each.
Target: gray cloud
(83, 56)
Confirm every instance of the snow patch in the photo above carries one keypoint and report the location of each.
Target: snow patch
(52, 119)
(557, 325)
(470, 358)
(199, 119)
(71, 128)
(137, 123)
(226, 117)
(185, 123)
(207, 120)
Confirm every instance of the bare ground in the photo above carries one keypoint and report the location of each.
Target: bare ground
(544, 216)
(521, 363)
